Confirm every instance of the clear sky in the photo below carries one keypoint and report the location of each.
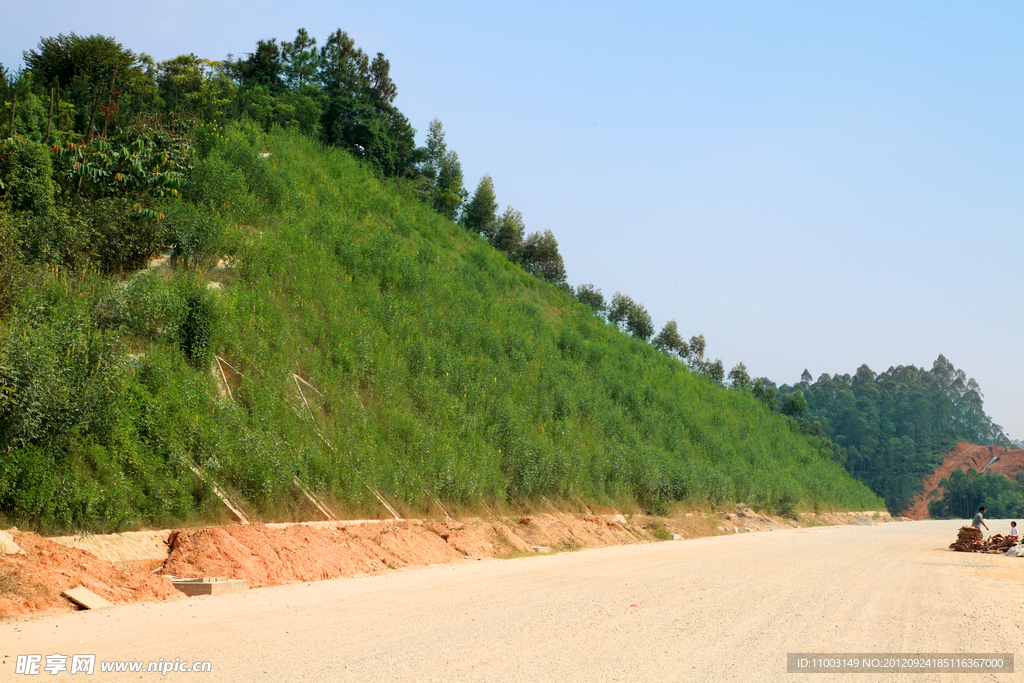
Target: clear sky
(808, 184)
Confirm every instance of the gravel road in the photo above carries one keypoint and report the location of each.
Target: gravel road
(714, 609)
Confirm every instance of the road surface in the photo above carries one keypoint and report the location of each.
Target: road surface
(716, 609)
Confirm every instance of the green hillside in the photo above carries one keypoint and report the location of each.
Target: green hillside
(368, 342)
(323, 321)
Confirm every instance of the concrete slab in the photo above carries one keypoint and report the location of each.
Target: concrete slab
(542, 549)
(8, 546)
(86, 598)
(209, 586)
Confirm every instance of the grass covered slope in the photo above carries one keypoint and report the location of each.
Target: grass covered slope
(368, 343)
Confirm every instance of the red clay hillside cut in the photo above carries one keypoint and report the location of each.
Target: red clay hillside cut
(963, 456)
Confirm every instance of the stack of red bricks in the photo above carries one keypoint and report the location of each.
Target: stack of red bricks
(969, 540)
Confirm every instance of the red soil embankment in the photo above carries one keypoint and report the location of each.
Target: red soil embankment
(267, 555)
(33, 582)
(963, 456)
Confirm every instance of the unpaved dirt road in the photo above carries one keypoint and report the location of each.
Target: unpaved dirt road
(714, 609)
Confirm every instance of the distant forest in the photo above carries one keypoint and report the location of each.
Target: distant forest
(891, 429)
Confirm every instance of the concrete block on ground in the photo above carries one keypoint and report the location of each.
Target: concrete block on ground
(209, 586)
(542, 549)
(86, 598)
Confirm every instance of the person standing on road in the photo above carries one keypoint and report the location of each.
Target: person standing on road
(1014, 534)
(978, 522)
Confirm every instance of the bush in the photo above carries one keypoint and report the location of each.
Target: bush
(120, 238)
(26, 176)
(146, 306)
(195, 328)
(11, 267)
(196, 233)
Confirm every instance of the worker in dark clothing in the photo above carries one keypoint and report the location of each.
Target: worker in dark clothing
(978, 522)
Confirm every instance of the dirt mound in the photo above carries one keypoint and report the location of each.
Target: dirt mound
(145, 550)
(963, 456)
(33, 582)
(269, 556)
(566, 532)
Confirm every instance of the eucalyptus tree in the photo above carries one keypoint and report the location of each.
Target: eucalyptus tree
(671, 342)
(540, 257)
(591, 296)
(630, 316)
(738, 376)
(509, 235)
(480, 214)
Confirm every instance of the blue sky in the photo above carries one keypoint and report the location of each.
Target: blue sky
(809, 185)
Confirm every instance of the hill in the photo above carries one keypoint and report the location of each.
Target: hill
(966, 456)
(891, 428)
(334, 316)
(371, 347)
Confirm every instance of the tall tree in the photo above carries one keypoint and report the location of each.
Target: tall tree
(88, 70)
(670, 341)
(630, 316)
(738, 376)
(382, 89)
(765, 391)
(300, 60)
(437, 148)
(591, 296)
(639, 323)
(6, 84)
(618, 309)
(197, 86)
(262, 67)
(540, 257)
(480, 214)
(896, 425)
(448, 191)
(342, 65)
(509, 235)
(794, 405)
(715, 370)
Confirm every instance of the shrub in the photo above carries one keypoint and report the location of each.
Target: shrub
(195, 328)
(196, 233)
(26, 176)
(120, 238)
(11, 267)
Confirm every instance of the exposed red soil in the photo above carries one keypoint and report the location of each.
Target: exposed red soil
(33, 582)
(963, 456)
(268, 555)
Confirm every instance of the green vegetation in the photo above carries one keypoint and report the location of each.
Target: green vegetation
(965, 492)
(360, 339)
(893, 428)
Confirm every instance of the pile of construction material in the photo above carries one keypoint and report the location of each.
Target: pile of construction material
(969, 540)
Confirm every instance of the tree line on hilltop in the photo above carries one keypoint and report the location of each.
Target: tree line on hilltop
(890, 429)
(119, 126)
